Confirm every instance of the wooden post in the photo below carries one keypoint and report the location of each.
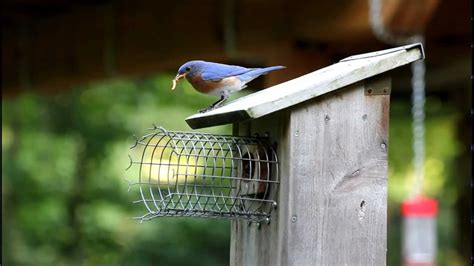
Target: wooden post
(332, 204)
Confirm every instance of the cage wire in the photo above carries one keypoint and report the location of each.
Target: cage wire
(195, 174)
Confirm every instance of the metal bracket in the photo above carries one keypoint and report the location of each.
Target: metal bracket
(377, 85)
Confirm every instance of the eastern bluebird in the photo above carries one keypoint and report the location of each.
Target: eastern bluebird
(218, 79)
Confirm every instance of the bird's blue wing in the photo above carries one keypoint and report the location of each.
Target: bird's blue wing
(216, 71)
(254, 73)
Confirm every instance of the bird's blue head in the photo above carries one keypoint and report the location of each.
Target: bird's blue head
(189, 69)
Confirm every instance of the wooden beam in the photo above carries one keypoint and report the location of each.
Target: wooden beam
(407, 17)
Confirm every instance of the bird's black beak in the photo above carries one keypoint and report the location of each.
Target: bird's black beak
(180, 76)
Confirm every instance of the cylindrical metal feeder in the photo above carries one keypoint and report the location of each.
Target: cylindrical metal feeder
(205, 175)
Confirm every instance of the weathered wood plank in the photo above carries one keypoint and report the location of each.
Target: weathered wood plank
(250, 245)
(333, 192)
(317, 83)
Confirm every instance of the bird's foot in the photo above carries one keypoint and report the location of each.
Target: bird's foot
(214, 105)
(207, 109)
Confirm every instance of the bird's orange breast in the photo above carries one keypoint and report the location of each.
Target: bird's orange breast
(203, 86)
(208, 86)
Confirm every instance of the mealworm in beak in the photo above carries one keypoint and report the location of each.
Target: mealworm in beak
(176, 79)
(174, 85)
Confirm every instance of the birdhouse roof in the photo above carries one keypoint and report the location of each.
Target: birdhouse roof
(347, 71)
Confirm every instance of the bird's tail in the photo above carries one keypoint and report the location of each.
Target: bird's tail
(259, 71)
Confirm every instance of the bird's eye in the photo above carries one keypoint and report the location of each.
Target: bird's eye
(188, 69)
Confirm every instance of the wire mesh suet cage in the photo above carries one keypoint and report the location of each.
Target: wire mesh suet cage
(195, 174)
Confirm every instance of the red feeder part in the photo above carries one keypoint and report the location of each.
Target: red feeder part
(419, 206)
(419, 231)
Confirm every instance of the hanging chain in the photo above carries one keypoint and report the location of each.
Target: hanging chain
(418, 90)
(375, 18)
(418, 124)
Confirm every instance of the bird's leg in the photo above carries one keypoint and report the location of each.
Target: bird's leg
(216, 104)
(219, 102)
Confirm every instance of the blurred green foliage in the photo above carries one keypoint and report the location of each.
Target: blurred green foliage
(63, 179)
(65, 199)
(442, 147)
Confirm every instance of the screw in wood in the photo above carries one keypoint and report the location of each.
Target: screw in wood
(293, 219)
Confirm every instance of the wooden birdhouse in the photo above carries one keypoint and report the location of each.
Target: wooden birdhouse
(330, 133)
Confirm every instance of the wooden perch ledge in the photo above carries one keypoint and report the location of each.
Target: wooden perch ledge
(345, 72)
